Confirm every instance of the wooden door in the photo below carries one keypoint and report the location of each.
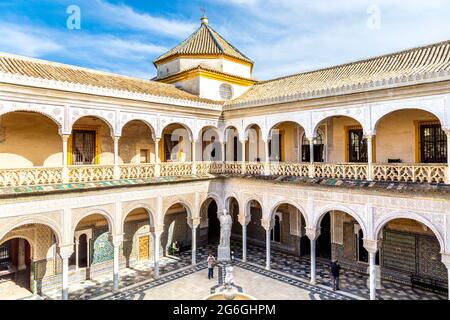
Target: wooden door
(143, 248)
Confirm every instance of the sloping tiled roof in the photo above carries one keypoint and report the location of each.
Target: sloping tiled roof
(41, 69)
(406, 66)
(205, 41)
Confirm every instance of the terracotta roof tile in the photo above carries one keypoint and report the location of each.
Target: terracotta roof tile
(205, 41)
(412, 62)
(35, 68)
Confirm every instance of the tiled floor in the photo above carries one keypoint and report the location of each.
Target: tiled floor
(350, 281)
(286, 268)
(194, 285)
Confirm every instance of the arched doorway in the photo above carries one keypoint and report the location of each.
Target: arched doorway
(25, 267)
(213, 223)
(323, 245)
(15, 263)
(176, 229)
(410, 252)
(93, 250)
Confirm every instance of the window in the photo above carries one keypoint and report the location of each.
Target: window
(275, 235)
(4, 252)
(226, 91)
(318, 148)
(277, 153)
(357, 145)
(433, 143)
(84, 147)
(144, 156)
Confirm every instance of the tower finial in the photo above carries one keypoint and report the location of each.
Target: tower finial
(204, 18)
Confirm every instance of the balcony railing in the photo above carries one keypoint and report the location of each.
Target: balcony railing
(401, 172)
(410, 172)
(30, 176)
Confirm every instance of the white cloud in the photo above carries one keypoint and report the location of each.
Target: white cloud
(14, 38)
(106, 52)
(289, 36)
(124, 16)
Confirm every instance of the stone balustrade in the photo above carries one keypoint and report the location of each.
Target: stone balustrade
(30, 176)
(351, 171)
(176, 169)
(410, 172)
(91, 173)
(401, 172)
(137, 171)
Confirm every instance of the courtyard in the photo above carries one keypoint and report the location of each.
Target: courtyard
(288, 279)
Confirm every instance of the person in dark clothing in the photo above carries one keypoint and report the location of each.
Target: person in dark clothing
(335, 269)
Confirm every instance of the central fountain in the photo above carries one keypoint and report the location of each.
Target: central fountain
(229, 291)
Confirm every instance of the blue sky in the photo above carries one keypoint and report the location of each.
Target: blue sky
(282, 36)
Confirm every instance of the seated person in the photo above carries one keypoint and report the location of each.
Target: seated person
(174, 248)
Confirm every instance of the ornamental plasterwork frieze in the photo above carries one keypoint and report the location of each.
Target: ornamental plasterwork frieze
(54, 112)
(150, 119)
(394, 82)
(66, 86)
(109, 116)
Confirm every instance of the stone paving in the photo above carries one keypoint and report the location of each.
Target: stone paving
(350, 281)
(285, 268)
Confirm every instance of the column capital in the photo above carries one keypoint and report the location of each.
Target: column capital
(116, 240)
(445, 259)
(157, 229)
(371, 246)
(116, 138)
(66, 250)
(266, 224)
(312, 233)
(244, 219)
(369, 135)
(65, 137)
(194, 222)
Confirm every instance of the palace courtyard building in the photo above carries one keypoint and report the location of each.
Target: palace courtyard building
(100, 173)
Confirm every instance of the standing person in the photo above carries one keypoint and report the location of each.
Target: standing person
(211, 263)
(335, 269)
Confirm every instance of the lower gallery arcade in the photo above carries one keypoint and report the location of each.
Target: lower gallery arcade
(405, 247)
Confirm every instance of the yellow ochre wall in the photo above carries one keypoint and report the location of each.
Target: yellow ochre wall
(30, 140)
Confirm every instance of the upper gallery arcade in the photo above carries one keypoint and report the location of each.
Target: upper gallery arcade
(333, 155)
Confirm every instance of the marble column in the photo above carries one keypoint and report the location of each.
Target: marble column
(313, 261)
(116, 158)
(244, 242)
(267, 249)
(157, 159)
(447, 131)
(65, 278)
(116, 267)
(313, 234)
(116, 241)
(267, 158)
(65, 252)
(372, 247)
(194, 244)
(156, 245)
(311, 157)
(65, 159)
(369, 157)
(243, 142)
(193, 156)
(372, 275)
